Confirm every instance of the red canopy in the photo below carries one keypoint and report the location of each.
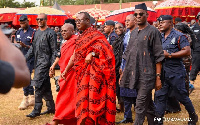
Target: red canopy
(120, 15)
(185, 9)
(7, 14)
(54, 17)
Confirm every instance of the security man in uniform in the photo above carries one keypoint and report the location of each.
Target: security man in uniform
(110, 34)
(13, 69)
(175, 46)
(195, 50)
(24, 37)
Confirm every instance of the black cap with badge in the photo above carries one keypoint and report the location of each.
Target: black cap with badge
(109, 22)
(165, 17)
(23, 18)
(141, 6)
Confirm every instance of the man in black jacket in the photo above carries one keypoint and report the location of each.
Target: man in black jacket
(44, 50)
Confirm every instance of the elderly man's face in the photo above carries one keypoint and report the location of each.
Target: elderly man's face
(82, 22)
(66, 32)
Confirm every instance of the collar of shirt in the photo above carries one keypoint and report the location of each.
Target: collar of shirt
(169, 36)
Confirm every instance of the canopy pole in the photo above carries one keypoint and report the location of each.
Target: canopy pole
(120, 6)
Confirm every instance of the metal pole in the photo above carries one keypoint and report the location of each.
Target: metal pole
(120, 6)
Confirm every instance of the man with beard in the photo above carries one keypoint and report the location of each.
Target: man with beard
(94, 64)
(44, 50)
(175, 46)
(24, 37)
(143, 56)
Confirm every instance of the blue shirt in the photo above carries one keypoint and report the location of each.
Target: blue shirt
(25, 37)
(173, 43)
(112, 37)
(126, 40)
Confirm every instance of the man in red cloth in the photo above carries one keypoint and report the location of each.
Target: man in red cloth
(65, 101)
(94, 64)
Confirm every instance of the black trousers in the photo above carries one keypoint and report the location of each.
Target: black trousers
(44, 91)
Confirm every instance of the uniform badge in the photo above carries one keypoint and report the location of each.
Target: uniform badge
(173, 40)
(29, 37)
(18, 36)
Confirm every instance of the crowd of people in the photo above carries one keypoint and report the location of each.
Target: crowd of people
(99, 63)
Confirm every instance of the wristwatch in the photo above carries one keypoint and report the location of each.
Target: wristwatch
(170, 55)
(158, 74)
(93, 53)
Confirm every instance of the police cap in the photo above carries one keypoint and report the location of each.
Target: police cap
(165, 17)
(23, 18)
(178, 19)
(109, 22)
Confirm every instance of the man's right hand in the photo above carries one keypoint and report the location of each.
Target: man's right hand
(51, 71)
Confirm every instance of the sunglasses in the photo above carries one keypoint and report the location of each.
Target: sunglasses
(40, 19)
(140, 14)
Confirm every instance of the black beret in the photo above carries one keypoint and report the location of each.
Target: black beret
(141, 6)
(109, 22)
(23, 18)
(158, 19)
(178, 19)
(165, 17)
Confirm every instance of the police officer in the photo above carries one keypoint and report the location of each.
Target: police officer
(195, 50)
(109, 31)
(24, 38)
(13, 69)
(175, 46)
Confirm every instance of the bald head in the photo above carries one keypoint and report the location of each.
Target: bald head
(68, 26)
(67, 30)
(131, 16)
(130, 22)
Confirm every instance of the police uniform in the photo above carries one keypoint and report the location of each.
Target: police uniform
(112, 37)
(26, 38)
(174, 74)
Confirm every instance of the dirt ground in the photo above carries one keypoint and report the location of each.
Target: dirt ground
(10, 115)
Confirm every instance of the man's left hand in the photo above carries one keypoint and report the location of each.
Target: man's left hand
(88, 58)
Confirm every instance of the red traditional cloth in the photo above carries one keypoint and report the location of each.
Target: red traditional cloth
(96, 89)
(65, 101)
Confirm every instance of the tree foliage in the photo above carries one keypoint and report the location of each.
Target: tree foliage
(14, 4)
(81, 2)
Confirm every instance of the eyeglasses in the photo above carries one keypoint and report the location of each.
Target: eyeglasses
(40, 19)
(79, 20)
(140, 14)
